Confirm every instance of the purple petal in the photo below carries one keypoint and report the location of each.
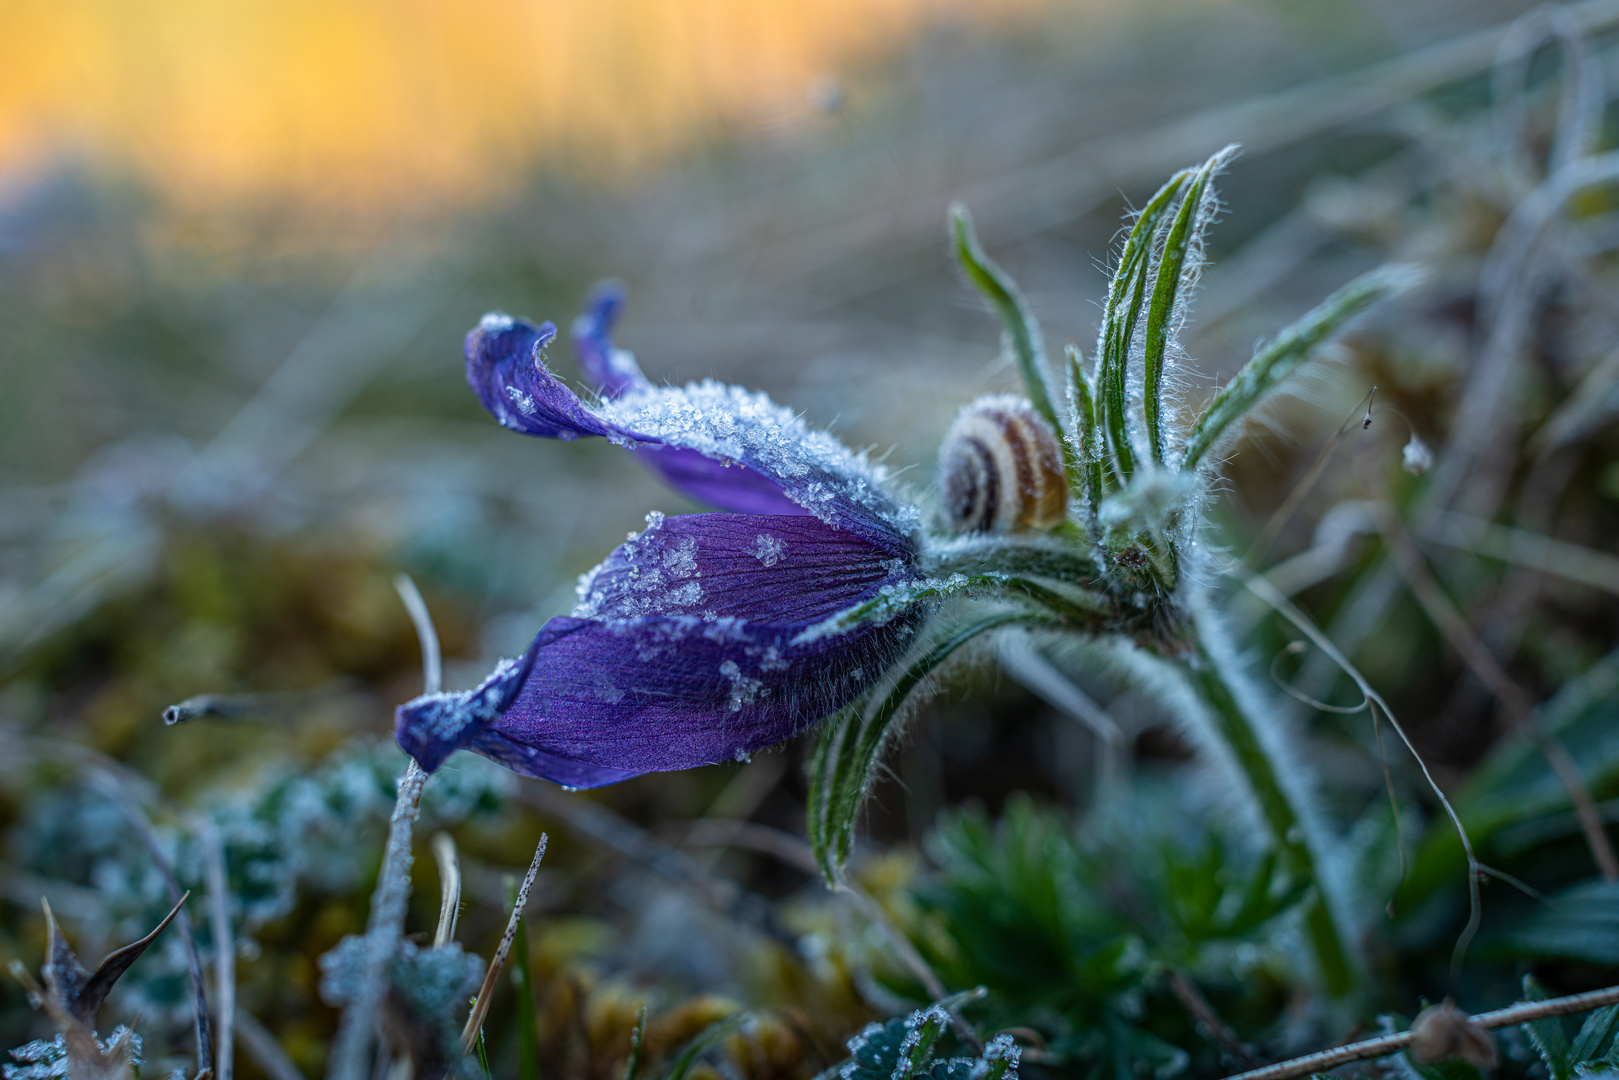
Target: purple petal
(761, 568)
(720, 484)
(687, 648)
(726, 425)
(614, 372)
(507, 371)
(611, 370)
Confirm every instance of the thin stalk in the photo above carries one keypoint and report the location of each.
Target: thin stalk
(1383, 1045)
(1215, 680)
(219, 925)
(385, 926)
(1513, 697)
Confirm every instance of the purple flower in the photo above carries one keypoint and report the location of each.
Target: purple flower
(706, 636)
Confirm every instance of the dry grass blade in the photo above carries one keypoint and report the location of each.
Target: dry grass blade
(1514, 698)
(224, 936)
(449, 902)
(480, 1007)
(272, 1059)
(389, 900)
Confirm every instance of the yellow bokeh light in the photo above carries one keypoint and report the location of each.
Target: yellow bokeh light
(390, 102)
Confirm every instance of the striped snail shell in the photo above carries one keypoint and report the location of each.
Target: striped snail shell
(1000, 469)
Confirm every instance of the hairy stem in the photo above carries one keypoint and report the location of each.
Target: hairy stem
(1217, 681)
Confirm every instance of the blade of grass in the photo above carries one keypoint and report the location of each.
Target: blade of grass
(1119, 314)
(1085, 444)
(528, 1031)
(480, 1005)
(700, 1045)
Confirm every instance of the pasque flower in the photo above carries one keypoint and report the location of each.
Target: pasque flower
(810, 593)
(706, 636)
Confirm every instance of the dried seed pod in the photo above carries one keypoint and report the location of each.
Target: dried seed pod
(1000, 469)
(1441, 1032)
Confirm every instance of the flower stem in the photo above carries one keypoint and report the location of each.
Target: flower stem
(1218, 681)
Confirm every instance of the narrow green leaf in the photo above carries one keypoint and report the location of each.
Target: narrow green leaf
(528, 1032)
(637, 1037)
(1547, 1035)
(1278, 360)
(1002, 292)
(1119, 314)
(1592, 1038)
(834, 748)
(700, 1045)
(1085, 444)
(858, 756)
(1171, 274)
(1214, 677)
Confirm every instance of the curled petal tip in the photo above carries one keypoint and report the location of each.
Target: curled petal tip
(434, 726)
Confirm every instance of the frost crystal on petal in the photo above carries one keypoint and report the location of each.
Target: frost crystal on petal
(768, 549)
(446, 716)
(731, 424)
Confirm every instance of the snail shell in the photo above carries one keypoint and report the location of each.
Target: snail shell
(1000, 469)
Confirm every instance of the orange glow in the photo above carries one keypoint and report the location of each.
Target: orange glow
(406, 101)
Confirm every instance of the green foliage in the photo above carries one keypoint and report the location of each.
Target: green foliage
(700, 1045)
(1282, 357)
(903, 1049)
(1520, 818)
(1592, 1049)
(850, 746)
(1583, 925)
(1074, 930)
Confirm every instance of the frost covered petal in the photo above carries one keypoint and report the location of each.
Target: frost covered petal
(686, 648)
(720, 444)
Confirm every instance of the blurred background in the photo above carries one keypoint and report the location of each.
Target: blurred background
(240, 245)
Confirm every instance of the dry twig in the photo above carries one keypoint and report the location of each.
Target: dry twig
(1384, 1045)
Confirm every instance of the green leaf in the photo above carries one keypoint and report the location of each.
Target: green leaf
(1584, 925)
(1119, 315)
(1547, 1035)
(1019, 322)
(1085, 445)
(700, 1045)
(847, 753)
(528, 1033)
(637, 1038)
(1594, 1035)
(1173, 272)
(1273, 364)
